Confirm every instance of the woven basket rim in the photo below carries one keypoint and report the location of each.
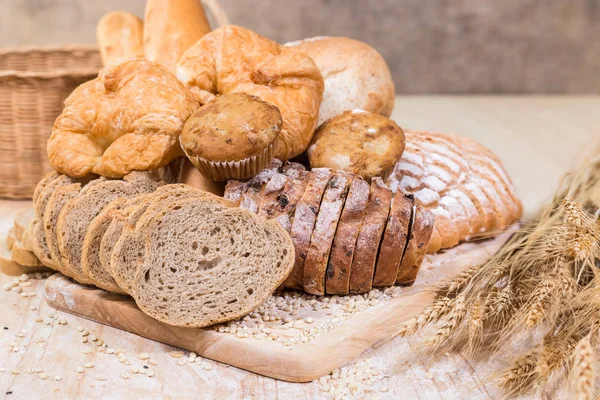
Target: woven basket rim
(61, 73)
(48, 48)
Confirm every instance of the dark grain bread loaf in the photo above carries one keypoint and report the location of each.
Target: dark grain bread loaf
(337, 279)
(200, 271)
(369, 238)
(315, 265)
(394, 240)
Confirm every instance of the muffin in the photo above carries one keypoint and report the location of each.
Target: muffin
(232, 137)
(358, 141)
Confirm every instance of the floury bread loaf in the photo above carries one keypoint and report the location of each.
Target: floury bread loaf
(120, 36)
(356, 76)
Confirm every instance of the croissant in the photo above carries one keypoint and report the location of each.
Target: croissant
(461, 182)
(233, 59)
(129, 118)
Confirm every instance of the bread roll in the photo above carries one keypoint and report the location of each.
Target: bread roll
(120, 37)
(356, 76)
(171, 27)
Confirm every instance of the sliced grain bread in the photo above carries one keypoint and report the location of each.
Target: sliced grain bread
(129, 249)
(49, 177)
(252, 192)
(77, 214)
(90, 255)
(369, 238)
(315, 265)
(395, 240)
(202, 271)
(303, 224)
(337, 279)
(420, 233)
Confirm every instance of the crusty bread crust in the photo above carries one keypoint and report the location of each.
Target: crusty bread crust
(369, 238)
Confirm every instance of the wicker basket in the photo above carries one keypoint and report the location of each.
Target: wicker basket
(34, 82)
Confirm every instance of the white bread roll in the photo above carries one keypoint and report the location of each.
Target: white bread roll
(356, 76)
(171, 27)
(120, 36)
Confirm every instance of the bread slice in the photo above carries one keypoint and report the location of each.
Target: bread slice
(10, 238)
(10, 267)
(421, 229)
(22, 221)
(289, 198)
(27, 236)
(49, 177)
(118, 218)
(270, 194)
(90, 255)
(78, 212)
(315, 265)
(337, 279)
(304, 222)
(395, 240)
(24, 257)
(233, 191)
(56, 202)
(129, 249)
(293, 169)
(369, 238)
(202, 271)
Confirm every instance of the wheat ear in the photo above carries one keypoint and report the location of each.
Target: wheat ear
(430, 314)
(582, 373)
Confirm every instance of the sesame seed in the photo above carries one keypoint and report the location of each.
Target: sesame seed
(58, 378)
(79, 370)
(85, 333)
(144, 356)
(110, 351)
(89, 364)
(101, 378)
(2, 369)
(38, 370)
(176, 354)
(124, 375)
(84, 339)
(80, 329)
(44, 377)
(15, 371)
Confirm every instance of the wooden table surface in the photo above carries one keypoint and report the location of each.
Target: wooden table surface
(538, 138)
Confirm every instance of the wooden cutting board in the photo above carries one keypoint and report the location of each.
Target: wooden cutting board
(335, 329)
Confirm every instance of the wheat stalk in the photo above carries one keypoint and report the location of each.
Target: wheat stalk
(461, 280)
(455, 317)
(522, 374)
(582, 374)
(430, 314)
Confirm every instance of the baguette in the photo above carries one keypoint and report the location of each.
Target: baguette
(120, 36)
(170, 28)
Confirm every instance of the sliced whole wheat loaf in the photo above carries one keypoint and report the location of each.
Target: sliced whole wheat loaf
(315, 265)
(421, 230)
(202, 271)
(24, 257)
(369, 238)
(342, 251)
(10, 238)
(252, 193)
(394, 241)
(304, 221)
(22, 221)
(49, 177)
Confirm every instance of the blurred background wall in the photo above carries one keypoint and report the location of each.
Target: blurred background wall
(432, 46)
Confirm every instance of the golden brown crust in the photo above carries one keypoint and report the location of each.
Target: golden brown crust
(250, 63)
(120, 37)
(355, 75)
(232, 127)
(363, 143)
(171, 27)
(420, 235)
(129, 118)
